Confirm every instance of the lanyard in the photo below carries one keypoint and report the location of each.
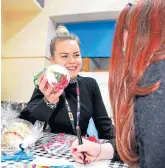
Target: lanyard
(70, 114)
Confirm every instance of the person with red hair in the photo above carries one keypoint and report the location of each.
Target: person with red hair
(137, 88)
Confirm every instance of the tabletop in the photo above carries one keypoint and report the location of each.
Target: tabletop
(61, 151)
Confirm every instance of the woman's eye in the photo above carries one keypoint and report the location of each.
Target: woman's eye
(64, 56)
(77, 55)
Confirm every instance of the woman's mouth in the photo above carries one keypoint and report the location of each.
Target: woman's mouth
(72, 68)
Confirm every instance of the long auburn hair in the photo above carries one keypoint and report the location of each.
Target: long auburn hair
(145, 24)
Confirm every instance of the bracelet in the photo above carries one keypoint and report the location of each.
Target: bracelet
(98, 153)
(50, 105)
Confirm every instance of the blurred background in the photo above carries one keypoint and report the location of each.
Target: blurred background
(29, 25)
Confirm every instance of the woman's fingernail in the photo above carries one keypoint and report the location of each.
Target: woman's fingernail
(74, 149)
(87, 161)
(80, 157)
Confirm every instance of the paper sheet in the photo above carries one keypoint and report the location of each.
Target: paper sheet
(50, 162)
(99, 164)
(59, 162)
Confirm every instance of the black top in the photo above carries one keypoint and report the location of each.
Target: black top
(91, 106)
(150, 119)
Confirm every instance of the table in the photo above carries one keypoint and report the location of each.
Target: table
(63, 153)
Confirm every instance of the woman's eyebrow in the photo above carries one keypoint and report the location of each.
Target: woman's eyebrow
(76, 52)
(63, 53)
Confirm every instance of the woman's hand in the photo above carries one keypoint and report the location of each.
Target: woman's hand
(47, 90)
(91, 150)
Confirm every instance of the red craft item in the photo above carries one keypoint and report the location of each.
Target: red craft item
(58, 76)
(92, 139)
(59, 139)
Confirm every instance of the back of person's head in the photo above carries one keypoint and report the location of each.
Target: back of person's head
(140, 31)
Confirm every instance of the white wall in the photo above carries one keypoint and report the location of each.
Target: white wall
(17, 78)
(24, 56)
(83, 10)
(70, 7)
(50, 35)
(30, 41)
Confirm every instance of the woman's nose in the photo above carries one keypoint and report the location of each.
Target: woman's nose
(71, 60)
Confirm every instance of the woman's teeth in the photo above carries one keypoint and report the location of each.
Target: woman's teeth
(71, 68)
